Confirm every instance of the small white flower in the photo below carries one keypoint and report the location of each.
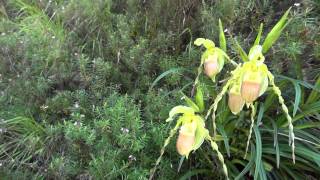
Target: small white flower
(76, 105)
(44, 107)
(125, 130)
(226, 30)
(77, 123)
(82, 115)
(132, 158)
(3, 34)
(297, 4)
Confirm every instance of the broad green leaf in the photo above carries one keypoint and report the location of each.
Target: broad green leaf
(275, 32)
(257, 41)
(222, 38)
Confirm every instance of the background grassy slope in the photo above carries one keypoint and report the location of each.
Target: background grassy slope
(79, 100)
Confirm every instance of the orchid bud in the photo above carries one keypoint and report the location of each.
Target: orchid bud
(254, 82)
(186, 138)
(235, 101)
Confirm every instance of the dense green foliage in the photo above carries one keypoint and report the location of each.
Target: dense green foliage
(85, 87)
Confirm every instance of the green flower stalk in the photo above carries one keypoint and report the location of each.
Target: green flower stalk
(235, 75)
(214, 146)
(277, 91)
(253, 112)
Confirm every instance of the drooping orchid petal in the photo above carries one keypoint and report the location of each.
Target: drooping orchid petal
(235, 100)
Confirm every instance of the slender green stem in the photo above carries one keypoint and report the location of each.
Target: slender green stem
(233, 63)
(166, 142)
(277, 91)
(220, 156)
(253, 112)
(214, 106)
(198, 75)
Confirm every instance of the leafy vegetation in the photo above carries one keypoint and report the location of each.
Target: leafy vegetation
(86, 87)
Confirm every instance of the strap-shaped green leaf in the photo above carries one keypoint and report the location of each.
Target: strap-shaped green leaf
(222, 38)
(275, 32)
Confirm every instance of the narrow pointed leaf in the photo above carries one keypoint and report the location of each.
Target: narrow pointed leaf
(314, 95)
(199, 98)
(193, 105)
(241, 52)
(222, 38)
(275, 32)
(257, 41)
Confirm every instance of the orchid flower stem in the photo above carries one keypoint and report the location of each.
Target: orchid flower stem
(233, 63)
(166, 143)
(253, 112)
(197, 78)
(214, 106)
(214, 146)
(277, 91)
